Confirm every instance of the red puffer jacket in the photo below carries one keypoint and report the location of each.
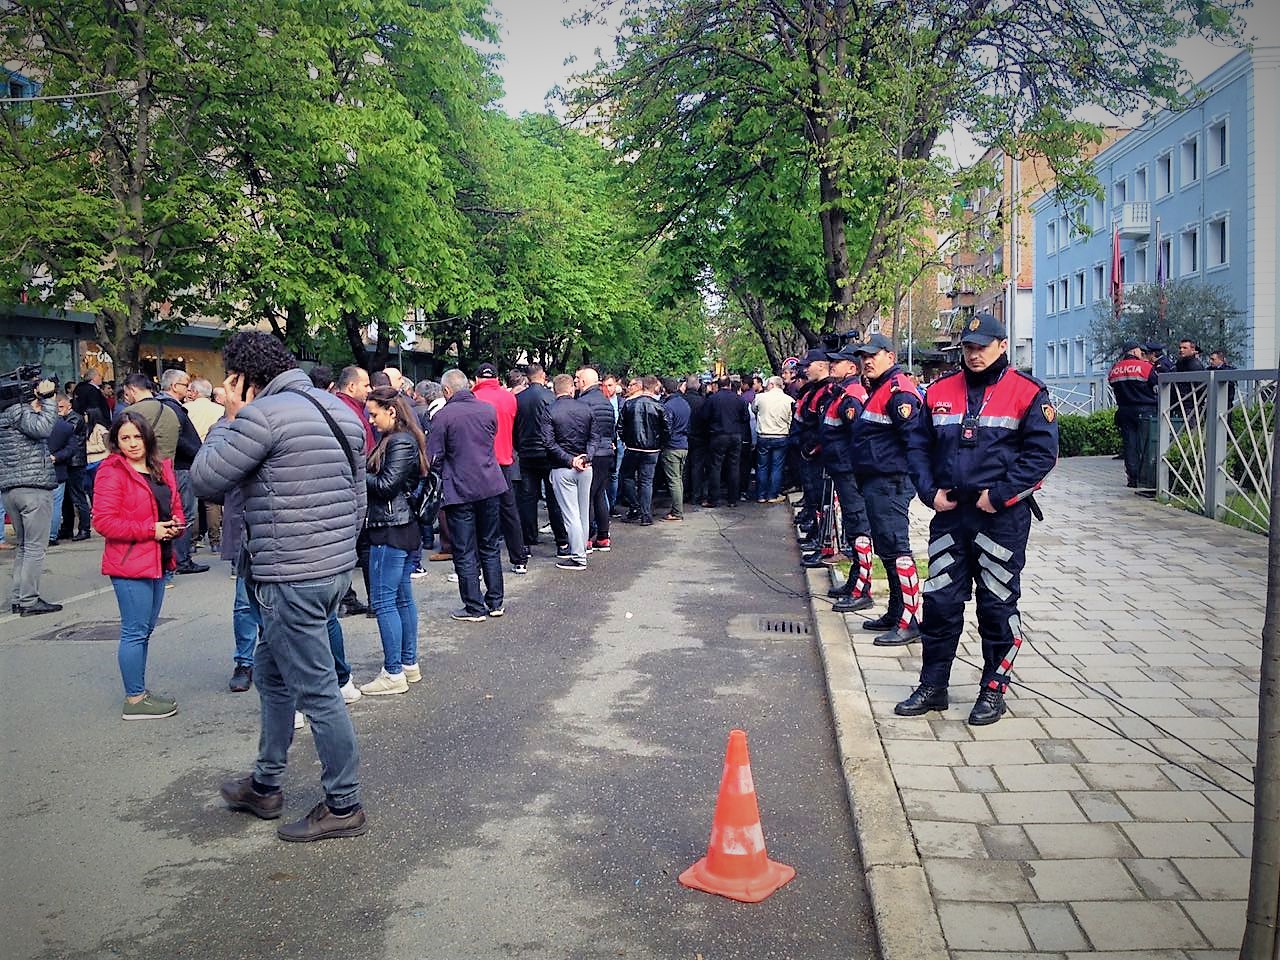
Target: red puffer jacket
(125, 513)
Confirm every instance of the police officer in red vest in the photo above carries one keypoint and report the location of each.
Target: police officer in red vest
(986, 440)
(806, 422)
(880, 460)
(836, 436)
(1134, 381)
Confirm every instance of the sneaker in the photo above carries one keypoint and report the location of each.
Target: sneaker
(563, 551)
(299, 721)
(545, 528)
(520, 568)
(191, 567)
(571, 564)
(603, 544)
(350, 692)
(241, 678)
(467, 616)
(417, 573)
(148, 708)
(451, 577)
(498, 612)
(385, 684)
(412, 672)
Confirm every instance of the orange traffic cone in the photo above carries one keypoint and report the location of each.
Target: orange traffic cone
(736, 865)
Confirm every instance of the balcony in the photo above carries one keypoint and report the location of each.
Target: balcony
(1132, 220)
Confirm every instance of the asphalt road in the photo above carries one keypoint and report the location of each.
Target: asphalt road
(535, 796)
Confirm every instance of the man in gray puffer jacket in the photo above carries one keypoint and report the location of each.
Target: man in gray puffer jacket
(27, 482)
(301, 474)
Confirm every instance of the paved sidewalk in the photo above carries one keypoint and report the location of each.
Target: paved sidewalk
(1121, 833)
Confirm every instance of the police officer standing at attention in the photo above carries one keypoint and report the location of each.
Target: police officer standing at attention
(982, 447)
(1133, 380)
(880, 458)
(836, 435)
(805, 426)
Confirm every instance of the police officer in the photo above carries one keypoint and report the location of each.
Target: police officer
(1133, 380)
(984, 443)
(836, 436)
(805, 426)
(880, 460)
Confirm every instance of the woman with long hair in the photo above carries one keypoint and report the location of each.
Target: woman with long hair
(137, 510)
(394, 468)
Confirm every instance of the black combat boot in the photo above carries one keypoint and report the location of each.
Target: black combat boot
(852, 603)
(893, 614)
(899, 635)
(988, 709)
(923, 699)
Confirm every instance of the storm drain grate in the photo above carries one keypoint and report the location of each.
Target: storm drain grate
(789, 628)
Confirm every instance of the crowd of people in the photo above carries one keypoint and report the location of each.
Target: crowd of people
(303, 478)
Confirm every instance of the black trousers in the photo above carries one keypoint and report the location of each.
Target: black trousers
(601, 468)
(512, 531)
(695, 488)
(535, 482)
(722, 484)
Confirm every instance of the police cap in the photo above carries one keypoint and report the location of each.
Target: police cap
(1151, 346)
(875, 343)
(811, 356)
(983, 329)
(1129, 346)
(848, 352)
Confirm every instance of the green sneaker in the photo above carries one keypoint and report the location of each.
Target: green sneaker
(162, 697)
(148, 708)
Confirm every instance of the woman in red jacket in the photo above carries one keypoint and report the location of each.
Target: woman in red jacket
(138, 512)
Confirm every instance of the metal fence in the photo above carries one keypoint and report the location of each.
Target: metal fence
(1083, 393)
(1216, 436)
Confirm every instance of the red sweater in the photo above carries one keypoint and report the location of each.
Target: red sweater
(125, 513)
(503, 402)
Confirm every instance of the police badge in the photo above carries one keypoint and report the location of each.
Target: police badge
(1048, 411)
(905, 410)
(975, 323)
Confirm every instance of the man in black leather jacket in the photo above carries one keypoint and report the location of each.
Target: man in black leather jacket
(604, 438)
(644, 431)
(535, 467)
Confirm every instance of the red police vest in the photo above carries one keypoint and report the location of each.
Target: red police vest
(831, 416)
(1130, 368)
(876, 409)
(1004, 404)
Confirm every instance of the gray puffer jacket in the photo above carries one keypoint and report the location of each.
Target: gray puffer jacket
(24, 455)
(302, 507)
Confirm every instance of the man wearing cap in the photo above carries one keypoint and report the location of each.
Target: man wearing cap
(836, 435)
(489, 390)
(805, 425)
(1154, 353)
(1133, 380)
(984, 443)
(879, 451)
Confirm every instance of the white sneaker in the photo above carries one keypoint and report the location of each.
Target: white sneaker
(418, 573)
(412, 672)
(385, 684)
(451, 577)
(350, 692)
(299, 721)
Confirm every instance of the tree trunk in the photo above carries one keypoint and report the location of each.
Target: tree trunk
(754, 308)
(354, 331)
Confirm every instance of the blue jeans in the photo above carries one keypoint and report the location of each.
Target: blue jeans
(55, 522)
(246, 626)
(295, 666)
(476, 532)
(391, 597)
(771, 453)
(638, 467)
(139, 602)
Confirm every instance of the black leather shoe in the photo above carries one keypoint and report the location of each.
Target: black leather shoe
(883, 622)
(844, 590)
(14, 608)
(53, 543)
(321, 824)
(898, 636)
(988, 709)
(241, 678)
(82, 535)
(192, 567)
(815, 561)
(39, 606)
(353, 609)
(852, 604)
(240, 795)
(922, 700)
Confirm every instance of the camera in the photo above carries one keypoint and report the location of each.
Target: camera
(19, 385)
(834, 341)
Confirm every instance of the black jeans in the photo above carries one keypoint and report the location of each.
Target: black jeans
(695, 488)
(601, 468)
(638, 467)
(726, 451)
(76, 502)
(475, 528)
(535, 482)
(512, 531)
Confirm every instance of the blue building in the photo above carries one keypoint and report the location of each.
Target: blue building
(1197, 187)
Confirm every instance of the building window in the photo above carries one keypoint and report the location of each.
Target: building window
(1063, 294)
(1140, 184)
(1051, 236)
(1099, 213)
(1165, 263)
(1189, 162)
(1050, 296)
(1140, 265)
(1164, 175)
(1099, 282)
(1049, 359)
(1217, 240)
(1217, 146)
(1189, 251)
(1064, 357)
(1078, 351)
(1119, 192)
(1080, 300)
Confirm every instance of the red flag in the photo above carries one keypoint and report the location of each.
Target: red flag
(1117, 273)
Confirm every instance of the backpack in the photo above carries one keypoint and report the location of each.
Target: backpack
(424, 499)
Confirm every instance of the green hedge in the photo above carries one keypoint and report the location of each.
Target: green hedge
(1092, 435)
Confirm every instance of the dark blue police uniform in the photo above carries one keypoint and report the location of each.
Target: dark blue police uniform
(993, 430)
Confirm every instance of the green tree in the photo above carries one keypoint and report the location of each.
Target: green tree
(1185, 309)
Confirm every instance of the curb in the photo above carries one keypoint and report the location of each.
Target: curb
(906, 918)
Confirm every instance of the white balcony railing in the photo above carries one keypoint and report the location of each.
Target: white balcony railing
(1132, 219)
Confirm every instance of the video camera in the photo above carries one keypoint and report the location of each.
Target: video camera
(834, 341)
(19, 385)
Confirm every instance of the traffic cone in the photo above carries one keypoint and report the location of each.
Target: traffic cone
(736, 865)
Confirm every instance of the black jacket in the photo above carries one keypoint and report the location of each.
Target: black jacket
(565, 429)
(603, 427)
(188, 438)
(61, 445)
(80, 430)
(727, 414)
(643, 423)
(389, 486)
(91, 403)
(697, 417)
(530, 402)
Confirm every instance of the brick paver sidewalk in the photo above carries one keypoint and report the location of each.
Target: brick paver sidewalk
(1051, 834)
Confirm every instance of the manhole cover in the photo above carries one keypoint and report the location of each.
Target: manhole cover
(790, 628)
(99, 631)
